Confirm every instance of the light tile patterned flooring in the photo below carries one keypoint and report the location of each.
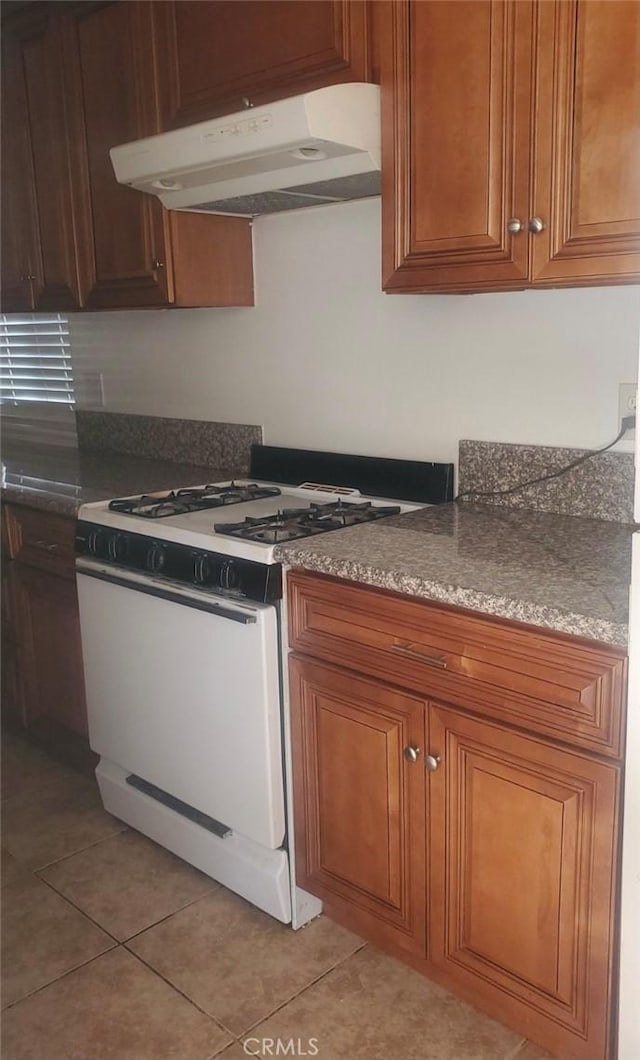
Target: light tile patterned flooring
(113, 948)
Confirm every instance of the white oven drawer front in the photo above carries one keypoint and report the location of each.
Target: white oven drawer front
(188, 699)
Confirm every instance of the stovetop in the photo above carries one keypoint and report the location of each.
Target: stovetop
(241, 518)
(220, 537)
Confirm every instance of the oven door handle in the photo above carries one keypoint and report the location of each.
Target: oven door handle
(162, 592)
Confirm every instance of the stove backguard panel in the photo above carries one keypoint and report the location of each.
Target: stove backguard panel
(403, 480)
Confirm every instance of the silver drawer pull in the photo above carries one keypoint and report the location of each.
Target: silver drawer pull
(412, 753)
(414, 652)
(432, 762)
(46, 544)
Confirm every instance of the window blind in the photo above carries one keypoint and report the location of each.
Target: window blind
(35, 360)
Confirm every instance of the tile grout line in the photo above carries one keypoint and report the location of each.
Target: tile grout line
(78, 910)
(186, 997)
(70, 971)
(302, 990)
(81, 850)
(238, 1037)
(120, 942)
(167, 916)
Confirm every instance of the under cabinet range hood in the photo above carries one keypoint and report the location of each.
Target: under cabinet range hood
(318, 148)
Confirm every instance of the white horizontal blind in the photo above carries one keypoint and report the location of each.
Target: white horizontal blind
(35, 360)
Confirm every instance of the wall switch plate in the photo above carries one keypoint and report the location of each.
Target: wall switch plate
(627, 395)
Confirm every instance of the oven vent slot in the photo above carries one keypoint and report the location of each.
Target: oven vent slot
(183, 808)
(345, 491)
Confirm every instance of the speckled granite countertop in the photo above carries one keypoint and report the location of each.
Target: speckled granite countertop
(567, 573)
(60, 480)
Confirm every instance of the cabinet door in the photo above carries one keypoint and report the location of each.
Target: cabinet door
(220, 53)
(587, 148)
(524, 853)
(57, 284)
(21, 265)
(456, 101)
(110, 51)
(48, 633)
(359, 803)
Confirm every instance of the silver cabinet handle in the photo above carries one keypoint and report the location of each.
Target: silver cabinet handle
(514, 225)
(413, 651)
(412, 753)
(432, 762)
(27, 278)
(536, 225)
(246, 102)
(45, 544)
(157, 265)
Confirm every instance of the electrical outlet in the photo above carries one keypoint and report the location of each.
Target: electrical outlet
(627, 395)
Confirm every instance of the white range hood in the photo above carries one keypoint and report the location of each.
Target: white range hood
(313, 149)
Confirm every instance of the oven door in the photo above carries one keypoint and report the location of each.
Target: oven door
(183, 692)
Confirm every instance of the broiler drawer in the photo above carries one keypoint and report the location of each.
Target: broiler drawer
(41, 539)
(569, 689)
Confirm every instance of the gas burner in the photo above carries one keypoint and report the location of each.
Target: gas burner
(292, 523)
(191, 499)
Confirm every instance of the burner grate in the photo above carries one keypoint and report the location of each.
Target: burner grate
(191, 499)
(292, 523)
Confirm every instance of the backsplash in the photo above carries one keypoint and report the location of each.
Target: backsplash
(190, 441)
(600, 488)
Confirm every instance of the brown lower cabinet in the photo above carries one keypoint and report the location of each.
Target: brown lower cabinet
(483, 854)
(42, 672)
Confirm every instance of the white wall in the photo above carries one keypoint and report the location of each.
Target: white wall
(326, 360)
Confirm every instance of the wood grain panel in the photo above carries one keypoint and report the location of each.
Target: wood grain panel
(456, 81)
(117, 87)
(359, 805)
(50, 649)
(41, 539)
(219, 53)
(523, 906)
(587, 149)
(544, 682)
(212, 259)
(19, 230)
(60, 286)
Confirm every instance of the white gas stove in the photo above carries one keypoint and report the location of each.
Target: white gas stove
(180, 618)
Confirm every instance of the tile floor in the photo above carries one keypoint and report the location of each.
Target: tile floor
(113, 948)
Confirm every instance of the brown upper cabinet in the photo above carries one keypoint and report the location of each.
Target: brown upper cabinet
(224, 55)
(510, 144)
(80, 78)
(39, 234)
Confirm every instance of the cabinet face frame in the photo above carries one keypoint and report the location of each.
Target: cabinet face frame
(347, 58)
(510, 805)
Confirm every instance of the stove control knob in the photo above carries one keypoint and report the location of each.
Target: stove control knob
(154, 560)
(92, 543)
(229, 578)
(118, 547)
(98, 544)
(201, 570)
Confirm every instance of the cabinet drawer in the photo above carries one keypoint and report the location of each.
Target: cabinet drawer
(41, 539)
(561, 687)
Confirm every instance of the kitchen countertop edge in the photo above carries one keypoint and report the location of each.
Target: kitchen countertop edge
(552, 618)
